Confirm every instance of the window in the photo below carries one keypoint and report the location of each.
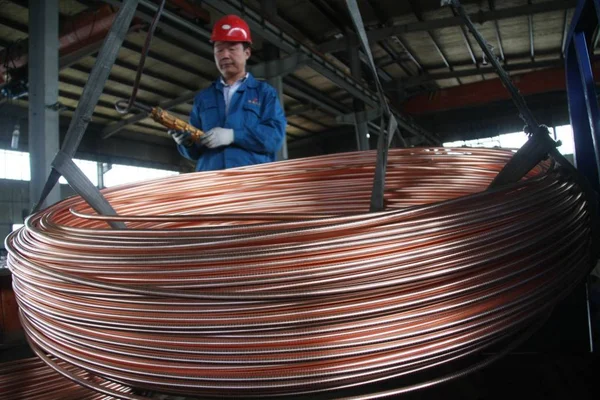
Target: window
(89, 168)
(515, 140)
(15, 165)
(565, 135)
(121, 174)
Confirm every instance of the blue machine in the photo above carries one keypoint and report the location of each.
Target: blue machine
(583, 104)
(580, 41)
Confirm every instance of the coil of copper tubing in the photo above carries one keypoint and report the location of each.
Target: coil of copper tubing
(275, 280)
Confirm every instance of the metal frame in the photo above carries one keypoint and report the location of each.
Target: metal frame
(480, 17)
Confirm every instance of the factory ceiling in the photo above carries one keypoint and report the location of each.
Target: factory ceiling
(427, 61)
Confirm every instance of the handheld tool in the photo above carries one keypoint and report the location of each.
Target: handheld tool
(164, 118)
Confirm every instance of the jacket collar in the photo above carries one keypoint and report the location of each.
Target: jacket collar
(250, 82)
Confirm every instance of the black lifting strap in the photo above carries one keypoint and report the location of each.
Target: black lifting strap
(385, 136)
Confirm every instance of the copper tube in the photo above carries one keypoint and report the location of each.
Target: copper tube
(32, 379)
(275, 280)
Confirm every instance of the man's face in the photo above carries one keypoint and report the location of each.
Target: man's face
(230, 58)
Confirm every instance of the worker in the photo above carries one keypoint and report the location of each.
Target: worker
(242, 117)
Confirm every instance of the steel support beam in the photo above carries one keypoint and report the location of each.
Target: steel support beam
(338, 19)
(465, 37)
(350, 119)
(393, 58)
(480, 17)
(170, 79)
(299, 110)
(81, 36)
(531, 39)
(408, 52)
(492, 5)
(299, 89)
(300, 128)
(12, 24)
(277, 83)
(127, 83)
(486, 92)
(172, 24)
(384, 19)
(420, 80)
(317, 122)
(465, 63)
(344, 24)
(274, 68)
(100, 174)
(565, 33)
(43, 94)
(360, 123)
(168, 61)
(322, 103)
(312, 139)
(74, 57)
(278, 67)
(416, 9)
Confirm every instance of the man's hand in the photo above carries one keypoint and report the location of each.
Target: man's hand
(181, 137)
(217, 137)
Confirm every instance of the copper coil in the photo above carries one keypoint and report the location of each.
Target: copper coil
(32, 379)
(275, 280)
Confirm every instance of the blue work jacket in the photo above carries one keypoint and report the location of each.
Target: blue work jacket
(257, 120)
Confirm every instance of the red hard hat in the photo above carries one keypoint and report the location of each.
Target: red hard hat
(231, 28)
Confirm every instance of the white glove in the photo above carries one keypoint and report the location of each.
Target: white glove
(181, 137)
(217, 137)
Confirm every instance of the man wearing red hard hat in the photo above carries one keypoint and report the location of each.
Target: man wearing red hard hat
(242, 117)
